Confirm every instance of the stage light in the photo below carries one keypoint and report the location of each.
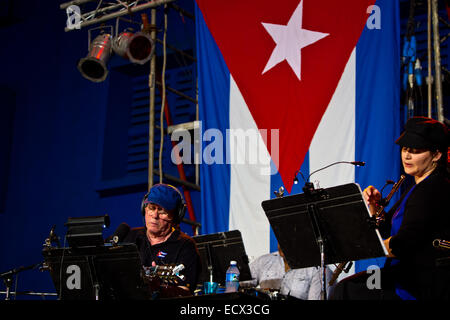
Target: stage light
(94, 66)
(136, 47)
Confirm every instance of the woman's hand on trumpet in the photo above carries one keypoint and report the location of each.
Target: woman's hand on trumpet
(372, 197)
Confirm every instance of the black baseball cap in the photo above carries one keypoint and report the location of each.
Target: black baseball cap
(424, 133)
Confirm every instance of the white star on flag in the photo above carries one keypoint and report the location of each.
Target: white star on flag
(290, 39)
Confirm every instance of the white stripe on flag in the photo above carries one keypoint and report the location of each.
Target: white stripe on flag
(334, 139)
(248, 186)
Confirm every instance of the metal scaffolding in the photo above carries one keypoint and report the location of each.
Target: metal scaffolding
(437, 60)
(106, 11)
(411, 61)
(102, 11)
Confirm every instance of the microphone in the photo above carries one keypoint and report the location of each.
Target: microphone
(52, 238)
(120, 233)
(295, 176)
(355, 163)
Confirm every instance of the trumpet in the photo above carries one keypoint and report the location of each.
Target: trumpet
(438, 243)
(379, 219)
(380, 214)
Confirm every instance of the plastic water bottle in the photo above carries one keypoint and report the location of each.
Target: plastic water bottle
(232, 278)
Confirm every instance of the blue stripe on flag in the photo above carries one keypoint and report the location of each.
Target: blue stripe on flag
(276, 183)
(377, 104)
(214, 81)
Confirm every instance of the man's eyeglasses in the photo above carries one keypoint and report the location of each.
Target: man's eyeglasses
(158, 209)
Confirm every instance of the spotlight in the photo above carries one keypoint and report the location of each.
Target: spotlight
(93, 67)
(137, 47)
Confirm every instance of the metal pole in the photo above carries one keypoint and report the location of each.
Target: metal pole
(197, 138)
(75, 2)
(29, 293)
(181, 52)
(124, 12)
(152, 85)
(174, 179)
(179, 93)
(437, 61)
(429, 78)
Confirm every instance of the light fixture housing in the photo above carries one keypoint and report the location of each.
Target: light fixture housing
(136, 47)
(94, 66)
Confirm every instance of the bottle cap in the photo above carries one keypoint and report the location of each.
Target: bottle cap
(233, 262)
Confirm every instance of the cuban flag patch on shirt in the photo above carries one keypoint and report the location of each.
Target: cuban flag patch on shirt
(161, 254)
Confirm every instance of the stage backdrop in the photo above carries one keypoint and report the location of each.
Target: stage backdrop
(289, 85)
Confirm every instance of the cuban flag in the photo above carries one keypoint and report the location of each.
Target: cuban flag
(161, 254)
(286, 88)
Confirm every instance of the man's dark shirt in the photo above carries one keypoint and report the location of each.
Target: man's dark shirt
(178, 248)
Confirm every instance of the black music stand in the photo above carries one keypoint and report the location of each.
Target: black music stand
(324, 226)
(97, 273)
(216, 251)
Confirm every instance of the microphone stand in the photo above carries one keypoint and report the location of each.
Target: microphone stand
(319, 233)
(7, 277)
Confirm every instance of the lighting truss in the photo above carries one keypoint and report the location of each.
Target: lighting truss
(102, 11)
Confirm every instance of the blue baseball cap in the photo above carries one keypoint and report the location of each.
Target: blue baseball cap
(165, 196)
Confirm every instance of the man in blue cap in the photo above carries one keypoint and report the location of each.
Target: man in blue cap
(163, 210)
(161, 242)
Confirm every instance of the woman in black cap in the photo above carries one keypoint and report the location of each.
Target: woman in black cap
(412, 270)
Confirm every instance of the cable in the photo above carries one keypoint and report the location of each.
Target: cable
(163, 100)
(151, 84)
(388, 182)
(15, 286)
(60, 269)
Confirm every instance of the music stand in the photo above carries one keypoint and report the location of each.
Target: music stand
(324, 226)
(216, 251)
(97, 273)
